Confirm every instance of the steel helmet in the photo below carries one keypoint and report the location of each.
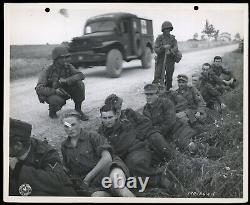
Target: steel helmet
(59, 51)
(166, 24)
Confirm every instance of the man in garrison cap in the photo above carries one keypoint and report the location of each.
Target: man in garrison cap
(35, 167)
(161, 112)
(59, 82)
(189, 104)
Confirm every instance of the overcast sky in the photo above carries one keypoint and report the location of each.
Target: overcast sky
(30, 24)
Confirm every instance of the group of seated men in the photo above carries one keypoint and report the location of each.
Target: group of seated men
(127, 144)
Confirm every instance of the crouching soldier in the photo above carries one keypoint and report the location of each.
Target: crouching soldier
(60, 82)
(211, 90)
(144, 129)
(87, 158)
(161, 112)
(135, 153)
(35, 167)
(189, 104)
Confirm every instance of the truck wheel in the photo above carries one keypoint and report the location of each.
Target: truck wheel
(114, 63)
(146, 60)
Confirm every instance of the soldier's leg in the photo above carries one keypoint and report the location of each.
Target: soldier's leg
(77, 93)
(169, 74)
(159, 71)
(117, 173)
(160, 148)
(55, 104)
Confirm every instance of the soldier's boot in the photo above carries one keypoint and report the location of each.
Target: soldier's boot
(78, 106)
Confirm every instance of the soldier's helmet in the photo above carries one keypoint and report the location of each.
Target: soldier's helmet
(166, 24)
(60, 51)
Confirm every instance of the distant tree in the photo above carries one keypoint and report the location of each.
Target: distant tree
(216, 35)
(237, 37)
(209, 30)
(203, 37)
(195, 36)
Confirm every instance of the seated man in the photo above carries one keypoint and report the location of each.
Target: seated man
(122, 137)
(35, 167)
(60, 82)
(189, 104)
(143, 128)
(161, 112)
(87, 158)
(210, 89)
(225, 75)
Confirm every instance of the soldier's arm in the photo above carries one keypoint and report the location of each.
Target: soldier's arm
(76, 75)
(170, 116)
(158, 46)
(41, 87)
(49, 178)
(227, 72)
(102, 149)
(174, 48)
(143, 124)
(213, 92)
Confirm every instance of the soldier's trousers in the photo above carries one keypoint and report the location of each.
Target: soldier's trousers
(161, 150)
(139, 163)
(182, 135)
(164, 74)
(76, 91)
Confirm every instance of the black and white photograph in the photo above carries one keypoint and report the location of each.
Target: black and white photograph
(126, 102)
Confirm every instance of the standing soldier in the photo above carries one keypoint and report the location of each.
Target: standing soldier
(168, 54)
(35, 167)
(60, 82)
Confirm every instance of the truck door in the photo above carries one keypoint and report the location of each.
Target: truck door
(126, 34)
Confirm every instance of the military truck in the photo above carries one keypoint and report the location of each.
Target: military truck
(112, 38)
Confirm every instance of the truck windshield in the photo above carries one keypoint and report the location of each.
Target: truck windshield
(100, 27)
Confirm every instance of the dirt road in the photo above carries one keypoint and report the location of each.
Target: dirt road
(24, 103)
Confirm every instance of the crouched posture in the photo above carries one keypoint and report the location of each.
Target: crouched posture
(35, 165)
(88, 159)
(60, 82)
(161, 112)
(189, 104)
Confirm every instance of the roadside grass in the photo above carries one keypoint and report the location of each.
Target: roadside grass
(28, 60)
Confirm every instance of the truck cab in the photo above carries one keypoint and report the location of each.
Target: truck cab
(112, 38)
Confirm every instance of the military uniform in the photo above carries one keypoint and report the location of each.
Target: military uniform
(80, 160)
(41, 169)
(189, 101)
(48, 82)
(163, 117)
(210, 90)
(160, 69)
(135, 153)
(218, 70)
(145, 131)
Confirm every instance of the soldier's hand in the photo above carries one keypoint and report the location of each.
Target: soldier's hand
(12, 162)
(223, 106)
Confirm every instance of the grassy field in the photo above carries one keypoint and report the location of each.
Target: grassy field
(28, 60)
